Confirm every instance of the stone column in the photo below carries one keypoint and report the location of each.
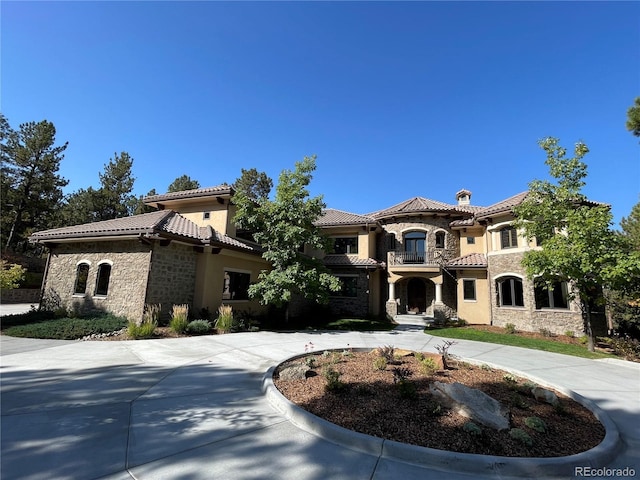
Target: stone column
(392, 305)
(438, 293)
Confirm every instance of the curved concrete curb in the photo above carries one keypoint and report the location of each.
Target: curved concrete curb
(600, 455)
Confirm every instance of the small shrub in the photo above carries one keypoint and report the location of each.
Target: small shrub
(428, 366)
(380, 363)
(419, 356)
(486, 367)
(147, 326)
(407, 389)
(401, 374)
(519, 402)
(225, 323)
(521, 436)
(199, 327)
(388, 353)
(443, 349)
(510, 328)
(347, 353)
(472, 429)
(510, 379)
(570, 333)
(142, 330)
(310, 361)
(333, 379)
(536, 424)
(545, 332)
(179, 318)
(11, 274)
(583, 339)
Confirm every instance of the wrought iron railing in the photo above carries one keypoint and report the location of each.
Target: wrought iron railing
(434, 257)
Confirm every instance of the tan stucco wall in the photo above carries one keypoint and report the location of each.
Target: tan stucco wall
(210, 279)
(478, 311)
(480, 245)
(220, 216)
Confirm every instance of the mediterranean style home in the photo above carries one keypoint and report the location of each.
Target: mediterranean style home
(421, 257)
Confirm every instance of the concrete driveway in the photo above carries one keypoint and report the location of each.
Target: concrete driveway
(193, 408)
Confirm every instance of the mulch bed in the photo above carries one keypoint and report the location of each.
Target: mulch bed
(371, 403)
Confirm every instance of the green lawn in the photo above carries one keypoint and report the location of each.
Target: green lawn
(516, 341)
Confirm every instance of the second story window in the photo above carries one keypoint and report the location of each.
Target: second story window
(508, 237)
(440, 236)
(345, 245)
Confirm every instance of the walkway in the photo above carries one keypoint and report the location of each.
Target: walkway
(193, 408)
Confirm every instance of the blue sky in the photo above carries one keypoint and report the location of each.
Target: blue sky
(397, 99)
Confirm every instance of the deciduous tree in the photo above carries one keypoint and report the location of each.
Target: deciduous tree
(284, 226)
(578, 244)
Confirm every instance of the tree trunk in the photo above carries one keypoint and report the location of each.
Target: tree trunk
(586, 315)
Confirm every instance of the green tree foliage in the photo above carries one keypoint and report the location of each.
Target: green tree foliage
(253, 184)
(631, 226)
(114, 198)
(11, 275)
(633, 118)
(183, 183)
(31, 187)
(284, 226)
(141, 207)
(578, 244)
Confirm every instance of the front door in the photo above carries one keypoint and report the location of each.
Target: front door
(417, 296)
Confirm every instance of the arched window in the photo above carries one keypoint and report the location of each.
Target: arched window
(510, 292)
(102, 283)
(440, 236)
(82, 273)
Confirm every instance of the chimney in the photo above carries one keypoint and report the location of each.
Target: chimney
(463, 197)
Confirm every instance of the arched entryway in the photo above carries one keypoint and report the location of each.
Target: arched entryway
(416, 295)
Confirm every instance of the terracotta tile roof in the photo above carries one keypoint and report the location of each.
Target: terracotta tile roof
(223, 189)
(503, 206)
(163, 223)
(145, 223)
(332, 217)
(421, 204)
(471, 260)
(350, 261)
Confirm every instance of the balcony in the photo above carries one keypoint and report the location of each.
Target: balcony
(430, 260)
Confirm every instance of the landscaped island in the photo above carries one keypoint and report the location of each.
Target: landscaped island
(387, 393)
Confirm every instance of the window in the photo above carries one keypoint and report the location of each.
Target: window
(440, 239)
(553, 296)
(349, 287)
(345, 245)
(508, 237)
(102, 284)
(469, 289)
(414, 243)
(471, 240)
(206, 215)
(510, 292)
(236, 286)
(82, 273)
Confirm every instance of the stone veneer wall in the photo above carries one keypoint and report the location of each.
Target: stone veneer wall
(527, 318)
(127, 283)
(353, 306)
(172, 278)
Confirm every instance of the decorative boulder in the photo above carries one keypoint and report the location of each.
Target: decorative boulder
(294, 372)
(472, 403)
(544, 395)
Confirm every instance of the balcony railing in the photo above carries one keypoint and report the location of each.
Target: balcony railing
(435, 257)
